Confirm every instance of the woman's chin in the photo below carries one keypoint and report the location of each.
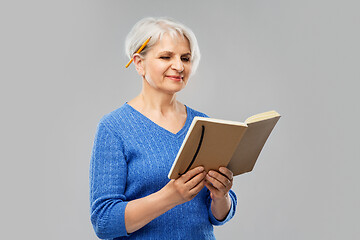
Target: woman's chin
(173, 90)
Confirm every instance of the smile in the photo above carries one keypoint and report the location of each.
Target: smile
(175, 78)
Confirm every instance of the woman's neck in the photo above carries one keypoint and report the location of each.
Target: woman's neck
(155, 101)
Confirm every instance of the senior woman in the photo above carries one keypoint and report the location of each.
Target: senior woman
(135, 146)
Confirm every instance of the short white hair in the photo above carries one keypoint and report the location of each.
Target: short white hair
(155, 28)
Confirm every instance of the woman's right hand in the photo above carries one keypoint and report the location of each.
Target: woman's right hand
(186, 187)
(140, 212)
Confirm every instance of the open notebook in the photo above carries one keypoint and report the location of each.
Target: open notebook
(213, 143)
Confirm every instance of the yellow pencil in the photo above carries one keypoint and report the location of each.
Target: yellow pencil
(138, 51)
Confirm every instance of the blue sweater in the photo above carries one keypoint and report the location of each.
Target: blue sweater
(131, 158)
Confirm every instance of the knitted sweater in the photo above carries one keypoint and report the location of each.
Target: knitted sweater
(131, 158)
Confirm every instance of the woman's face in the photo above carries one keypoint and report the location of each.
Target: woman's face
(167, 65)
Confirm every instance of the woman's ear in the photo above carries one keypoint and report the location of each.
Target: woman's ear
(139, 64)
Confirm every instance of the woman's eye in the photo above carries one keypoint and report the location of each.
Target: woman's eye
(165, 57)
(185, 59)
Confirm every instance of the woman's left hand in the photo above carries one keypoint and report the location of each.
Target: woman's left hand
(219, 183)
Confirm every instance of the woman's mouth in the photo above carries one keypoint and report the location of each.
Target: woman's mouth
(175, 78)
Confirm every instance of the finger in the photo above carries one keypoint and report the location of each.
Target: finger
(221, 178)
(229, 174)
(194, 191)
(190, 174)
(218, 185)
(210, 187)
(195, 180)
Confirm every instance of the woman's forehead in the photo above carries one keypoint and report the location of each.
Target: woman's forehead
(172, 43)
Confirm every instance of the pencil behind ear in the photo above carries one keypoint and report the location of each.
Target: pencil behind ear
(139, 64)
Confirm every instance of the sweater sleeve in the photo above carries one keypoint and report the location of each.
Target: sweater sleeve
(108, 173)
(231, 213)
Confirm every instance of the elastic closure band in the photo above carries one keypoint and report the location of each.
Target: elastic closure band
(197, 151)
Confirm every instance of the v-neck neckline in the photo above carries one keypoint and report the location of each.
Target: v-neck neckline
(179, 133)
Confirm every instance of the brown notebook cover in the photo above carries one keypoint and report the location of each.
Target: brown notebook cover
(213, 143)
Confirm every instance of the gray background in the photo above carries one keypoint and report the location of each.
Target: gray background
(62, 69)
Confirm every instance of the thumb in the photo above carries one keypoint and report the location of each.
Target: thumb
(211, 195)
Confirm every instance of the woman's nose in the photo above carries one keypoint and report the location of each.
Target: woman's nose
(178, 65)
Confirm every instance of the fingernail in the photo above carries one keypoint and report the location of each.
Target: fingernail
(201, 169)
